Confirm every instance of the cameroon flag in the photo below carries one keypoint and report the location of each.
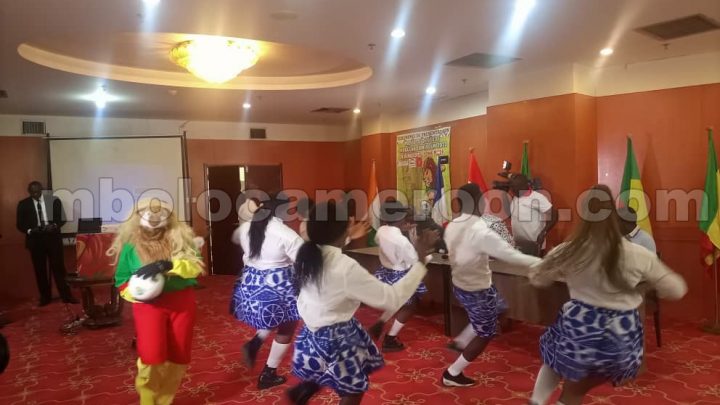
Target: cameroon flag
(631, 190)
(709, 221)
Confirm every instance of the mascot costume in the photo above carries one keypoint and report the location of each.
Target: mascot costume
(157, 260)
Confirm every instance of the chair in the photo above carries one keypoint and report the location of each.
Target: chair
(95, 270)
(653, 303)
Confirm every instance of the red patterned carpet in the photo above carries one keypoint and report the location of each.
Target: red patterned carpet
(97, 367)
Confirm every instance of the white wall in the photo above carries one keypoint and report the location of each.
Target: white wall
(73, 127)
(470, 105)
(506, 86)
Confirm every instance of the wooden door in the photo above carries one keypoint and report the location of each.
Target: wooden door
(228, 183)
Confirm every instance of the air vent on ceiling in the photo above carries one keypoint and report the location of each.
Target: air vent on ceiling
(33, 127)
(678, 28)
(3, 94)
(482, 60)
(258, 133)
(331, 110)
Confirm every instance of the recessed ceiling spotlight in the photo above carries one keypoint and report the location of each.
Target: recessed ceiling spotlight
(356, 111)
(247, 106)
(397, 33)
(606, 51)
(100, 97)
(430, 90)
(151, 3)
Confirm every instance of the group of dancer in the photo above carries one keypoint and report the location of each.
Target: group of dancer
(287, 278)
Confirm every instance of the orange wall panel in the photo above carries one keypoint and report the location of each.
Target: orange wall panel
(670, 143)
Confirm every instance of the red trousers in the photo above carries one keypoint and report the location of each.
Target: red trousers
(164, 327)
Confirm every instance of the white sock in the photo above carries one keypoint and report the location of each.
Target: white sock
(262, 333)
(397, 325)
(465, 337)
(277, 350)
(458, 366)
(545, 383)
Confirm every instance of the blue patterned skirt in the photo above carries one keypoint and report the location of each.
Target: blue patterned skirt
(390, 276)
(339, 356)
(265, 299)
(483, 308)
(590, 341)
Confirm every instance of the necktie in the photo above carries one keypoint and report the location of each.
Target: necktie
(40, 213)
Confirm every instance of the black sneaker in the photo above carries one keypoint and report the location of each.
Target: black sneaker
(454, 347)
(457, 381)
(269, 378)
(250, 351)
(301, 393)
(392, 344)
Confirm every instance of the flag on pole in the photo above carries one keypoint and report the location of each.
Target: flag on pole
(373, 206)
(474, 173)
(440, 210)
(709, 220)
(631, 190)
(525, 164)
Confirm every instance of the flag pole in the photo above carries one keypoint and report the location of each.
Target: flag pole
(714, 327)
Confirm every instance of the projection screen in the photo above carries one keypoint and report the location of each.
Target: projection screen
(104, 177)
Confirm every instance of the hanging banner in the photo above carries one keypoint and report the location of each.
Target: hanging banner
(418, 154)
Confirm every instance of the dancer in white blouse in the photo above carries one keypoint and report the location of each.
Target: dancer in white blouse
(264, 294)
(470, 242)
(598, 336)
(333, 349)
(397, 255)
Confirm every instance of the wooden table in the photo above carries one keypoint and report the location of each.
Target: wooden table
(526, 303)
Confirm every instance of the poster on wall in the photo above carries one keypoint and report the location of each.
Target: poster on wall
(423, 170)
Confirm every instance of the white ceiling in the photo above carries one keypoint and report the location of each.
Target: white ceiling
(556, 32)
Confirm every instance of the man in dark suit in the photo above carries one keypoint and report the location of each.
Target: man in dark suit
(40, 217)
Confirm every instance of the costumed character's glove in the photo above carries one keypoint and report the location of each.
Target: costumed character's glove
(185, 268)
(153, 269)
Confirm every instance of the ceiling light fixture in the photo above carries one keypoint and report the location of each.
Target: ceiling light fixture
(430, 90)
(247, 106)
(356, 111)
(215, 59)
(606, 51)
(100, 97)
(151, 3)
(397, 33)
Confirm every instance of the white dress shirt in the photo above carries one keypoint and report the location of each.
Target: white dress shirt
(44, 219)
(396, 251)
(528, 216)
(642, 238)
(278, 250)
(470, 242)
(590, 285)
(345, 284)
